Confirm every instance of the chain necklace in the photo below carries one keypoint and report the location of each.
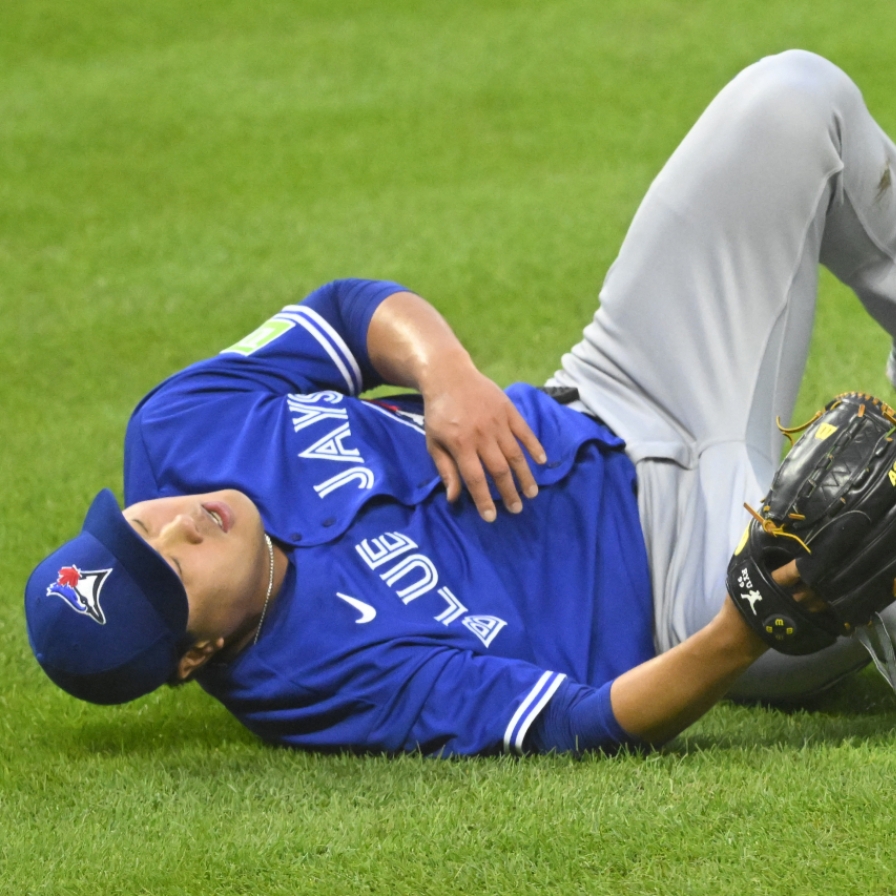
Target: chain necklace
(267, 598)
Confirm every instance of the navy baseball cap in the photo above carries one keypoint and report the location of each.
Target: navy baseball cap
(107, 615)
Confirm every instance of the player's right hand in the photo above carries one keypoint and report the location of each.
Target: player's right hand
(474, 432)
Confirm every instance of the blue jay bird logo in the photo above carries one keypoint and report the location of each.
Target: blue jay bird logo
(81, 590)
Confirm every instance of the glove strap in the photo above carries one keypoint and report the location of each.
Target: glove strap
(877, 641)
(773, 613)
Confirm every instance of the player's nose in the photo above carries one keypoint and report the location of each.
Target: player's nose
(182, 528)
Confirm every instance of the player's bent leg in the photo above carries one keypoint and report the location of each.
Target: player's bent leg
(703, 331)
(706, 314)
(691, 517)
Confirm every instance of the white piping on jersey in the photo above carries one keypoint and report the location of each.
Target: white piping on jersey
(397, 418)
(542, 692)
(331, 342)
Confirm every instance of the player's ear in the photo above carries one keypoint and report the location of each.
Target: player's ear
(197, 656)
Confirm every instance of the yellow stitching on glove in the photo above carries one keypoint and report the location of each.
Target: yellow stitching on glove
(774, 530)
(886, 410)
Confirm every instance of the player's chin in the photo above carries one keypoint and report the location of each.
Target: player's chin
(248, 512)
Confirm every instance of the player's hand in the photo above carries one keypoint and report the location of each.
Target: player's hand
(788, 576)
(473, 432)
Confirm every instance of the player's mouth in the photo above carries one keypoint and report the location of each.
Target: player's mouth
(220, 513)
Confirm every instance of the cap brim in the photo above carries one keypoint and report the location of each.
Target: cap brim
(106, 523)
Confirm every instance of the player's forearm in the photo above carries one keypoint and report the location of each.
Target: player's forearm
(660, 698)
(473, 431)
(411, 344)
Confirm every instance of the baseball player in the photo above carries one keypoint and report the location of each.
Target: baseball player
(344, 573)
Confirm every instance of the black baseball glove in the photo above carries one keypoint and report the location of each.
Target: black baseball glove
(832, 508)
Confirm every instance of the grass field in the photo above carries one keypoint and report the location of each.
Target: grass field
(172, 172)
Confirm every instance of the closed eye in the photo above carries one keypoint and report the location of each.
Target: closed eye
(173, 561)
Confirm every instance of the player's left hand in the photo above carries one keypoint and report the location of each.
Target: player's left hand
(831, 510)
(473, 432)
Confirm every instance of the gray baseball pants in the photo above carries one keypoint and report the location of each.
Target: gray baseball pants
(705, 317)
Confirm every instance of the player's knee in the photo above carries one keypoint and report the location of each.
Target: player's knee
(796, 96)
(801, 64)
(798, 78)
(807, 74)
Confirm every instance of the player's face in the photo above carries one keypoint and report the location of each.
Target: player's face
(215, 544)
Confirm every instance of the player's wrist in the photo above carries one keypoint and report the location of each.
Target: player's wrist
(448, 366)
(735, 637)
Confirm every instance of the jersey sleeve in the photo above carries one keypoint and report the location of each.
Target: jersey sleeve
(438, 700)
(577, 719)
(318, 344)
(477, 704)
(481, 704)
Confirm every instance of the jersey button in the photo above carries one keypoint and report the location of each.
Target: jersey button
(554, 464)
(295, 536)
(329, 520)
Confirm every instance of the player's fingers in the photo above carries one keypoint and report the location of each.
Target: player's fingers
(447, 468)
(519, 464)
(788, 576)
(502, 475)
(476, 482)
(523, 433)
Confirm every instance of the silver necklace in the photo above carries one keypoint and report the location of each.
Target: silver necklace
(267, 597)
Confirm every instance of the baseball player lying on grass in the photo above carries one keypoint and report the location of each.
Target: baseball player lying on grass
(344, 573)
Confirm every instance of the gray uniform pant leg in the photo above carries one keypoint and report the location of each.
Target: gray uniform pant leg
(705, 320)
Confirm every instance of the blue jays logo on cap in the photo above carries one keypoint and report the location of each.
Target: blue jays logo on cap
(81, 590)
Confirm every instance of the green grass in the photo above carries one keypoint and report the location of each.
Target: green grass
(170, 173)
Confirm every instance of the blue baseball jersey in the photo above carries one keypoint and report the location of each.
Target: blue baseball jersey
(404, 622)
